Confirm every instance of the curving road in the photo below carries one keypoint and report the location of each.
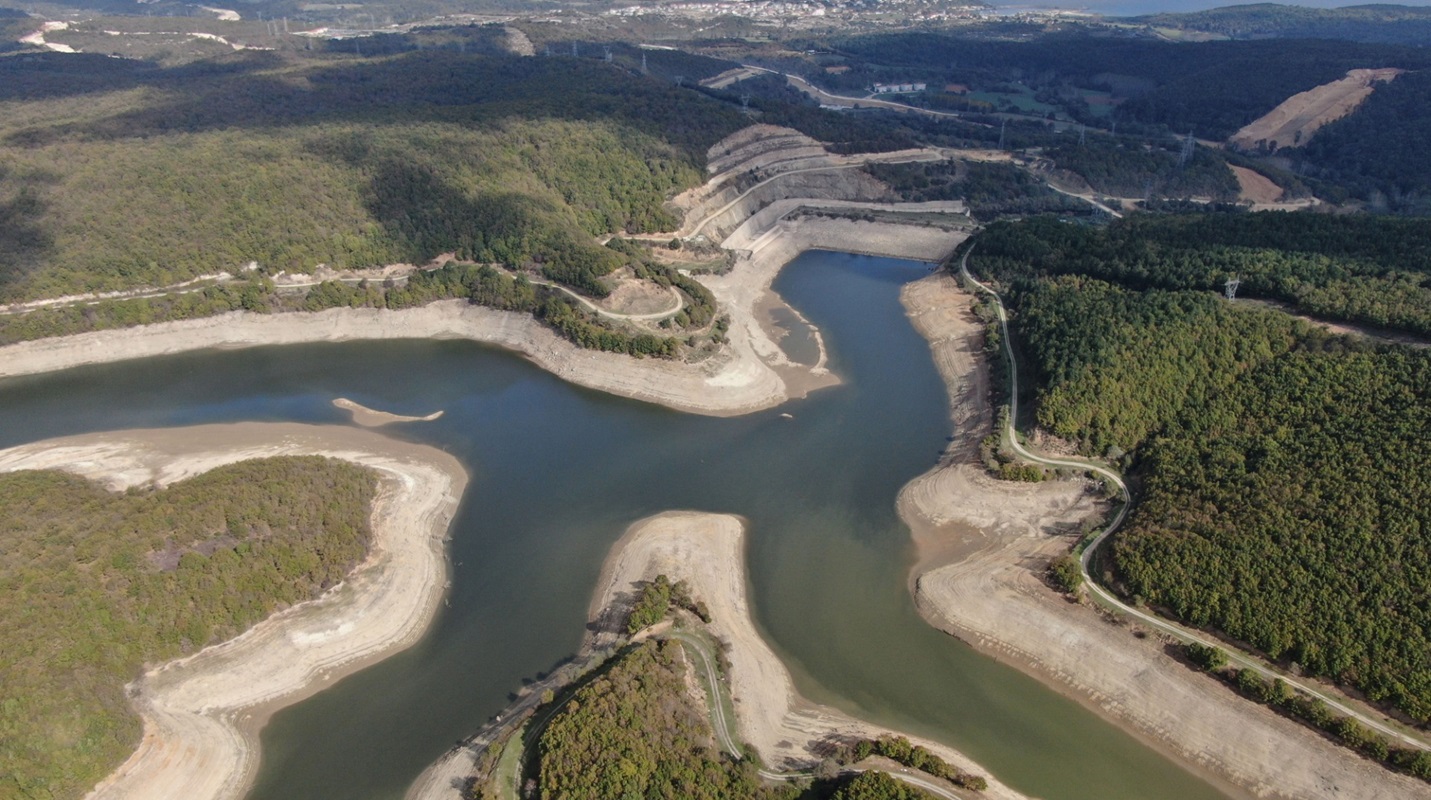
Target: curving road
(1182, 634)
(585, 301)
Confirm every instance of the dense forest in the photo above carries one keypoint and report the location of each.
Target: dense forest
(1293, 512)
(1282, 497)
(1132, 169)
(96, 585)
(989, 190)
(635, 731)
(1382, 152)
(144, 176)
(1375, 270)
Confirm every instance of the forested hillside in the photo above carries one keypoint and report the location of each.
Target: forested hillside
(1386, 23)
(1293, 511)
(1375, 270)
(989, 190)
(1281, 492)
(95, 585)
(117, 176)
(1383, 151)
(635, 731)
(1210, 88)
(1131, 169)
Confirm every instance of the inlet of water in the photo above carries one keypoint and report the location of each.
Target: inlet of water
(558, 473)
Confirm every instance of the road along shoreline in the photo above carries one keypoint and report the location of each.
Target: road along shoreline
(202, 713)
(984, 546)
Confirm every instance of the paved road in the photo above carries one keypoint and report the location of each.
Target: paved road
(1178, 632)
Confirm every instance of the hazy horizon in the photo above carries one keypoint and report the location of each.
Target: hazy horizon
(1139, 7)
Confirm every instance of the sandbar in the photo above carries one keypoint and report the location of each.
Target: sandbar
(373, 418)
(202, 713)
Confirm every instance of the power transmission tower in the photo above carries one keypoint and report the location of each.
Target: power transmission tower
(1229, 289)
(549, 50)
(1082, 134)
(643, 65)
(745, 102)
(606, 54)
(574, 53)
(1187, 153)
(1002, 126)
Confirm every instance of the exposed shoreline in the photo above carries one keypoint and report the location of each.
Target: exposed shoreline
(751, 374)
(202, 713)
(983, 546)
(708, 552)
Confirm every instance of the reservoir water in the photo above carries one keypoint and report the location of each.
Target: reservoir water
(558, 473)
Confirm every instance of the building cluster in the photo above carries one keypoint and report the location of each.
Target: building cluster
(896, 88)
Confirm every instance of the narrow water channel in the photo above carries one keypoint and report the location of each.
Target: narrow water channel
(559, 472)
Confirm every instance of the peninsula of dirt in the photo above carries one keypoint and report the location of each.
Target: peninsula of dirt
(707, 552)
(984, 546)
(201, 714)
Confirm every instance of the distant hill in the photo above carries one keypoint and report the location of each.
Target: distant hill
(1381, 23)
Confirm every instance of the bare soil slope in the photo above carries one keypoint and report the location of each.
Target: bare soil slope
(1299, 116)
